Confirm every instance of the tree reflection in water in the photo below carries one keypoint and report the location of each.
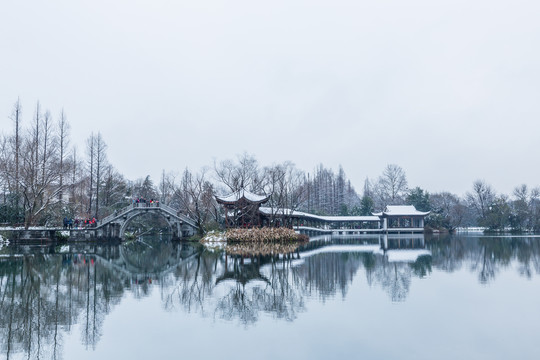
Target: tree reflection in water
(486, 255)
(254, 288)
(44, 291)
(43, 295)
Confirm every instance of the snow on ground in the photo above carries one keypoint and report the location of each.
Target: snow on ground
(3, 242)
(30, 228)
(214, 240)
(214, 236)
(470, 229)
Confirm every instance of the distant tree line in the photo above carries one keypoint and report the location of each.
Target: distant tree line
(43, 178)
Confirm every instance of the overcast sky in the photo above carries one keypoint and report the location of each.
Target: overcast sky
(448, 90)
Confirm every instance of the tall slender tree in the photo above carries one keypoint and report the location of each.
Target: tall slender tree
(17, 118)
(90, 149)
(63, 142)
(101, 163)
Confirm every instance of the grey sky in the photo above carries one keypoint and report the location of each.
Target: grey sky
(449, 90)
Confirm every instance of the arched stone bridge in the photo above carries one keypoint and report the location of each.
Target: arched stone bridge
(114, 225)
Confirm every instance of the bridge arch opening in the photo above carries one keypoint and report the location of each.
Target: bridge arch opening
(115, 224)
(152, 222)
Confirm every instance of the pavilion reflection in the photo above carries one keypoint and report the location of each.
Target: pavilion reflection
(51, 288)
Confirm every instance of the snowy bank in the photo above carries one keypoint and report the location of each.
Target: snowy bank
(3, 242)
(214, 240)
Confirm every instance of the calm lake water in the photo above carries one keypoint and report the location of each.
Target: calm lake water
(460, 297)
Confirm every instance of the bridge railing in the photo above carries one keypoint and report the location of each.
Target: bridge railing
(168, 208)
(115, 214)
(174, 212)
(125, 210)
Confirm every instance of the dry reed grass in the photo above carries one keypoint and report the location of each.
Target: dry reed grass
(265, 234)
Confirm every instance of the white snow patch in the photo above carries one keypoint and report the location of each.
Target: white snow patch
(30, 228)
(214, 240)
(3, 242)
(214, 236)
(470, 229)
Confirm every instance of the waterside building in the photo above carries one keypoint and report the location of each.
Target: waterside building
(244, 209)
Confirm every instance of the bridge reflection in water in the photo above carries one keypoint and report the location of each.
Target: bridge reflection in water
(82, 283)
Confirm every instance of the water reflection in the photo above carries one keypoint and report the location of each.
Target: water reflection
(44, 291)
(487, 255)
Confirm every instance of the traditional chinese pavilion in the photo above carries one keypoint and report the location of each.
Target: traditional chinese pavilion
(402, 218)
(242, 208)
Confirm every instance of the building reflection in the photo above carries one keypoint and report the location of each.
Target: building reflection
(44, 291)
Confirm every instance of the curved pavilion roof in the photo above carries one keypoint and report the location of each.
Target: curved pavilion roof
(401, 210)
(242, 194)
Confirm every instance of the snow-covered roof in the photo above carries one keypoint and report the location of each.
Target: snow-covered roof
(289, 212)
(235, 196)
(401, 210)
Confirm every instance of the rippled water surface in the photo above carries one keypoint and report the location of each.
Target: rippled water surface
(460, 297)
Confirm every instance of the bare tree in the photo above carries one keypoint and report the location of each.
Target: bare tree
(391, 186)
(480, 199)
(90, 149)
(5, 164)
(97, 163)
(167, 187)
(78, 184)
(39, 173)
(48, 144)
(17, 118)
(114, 190)
(525, 207)
(196, 196)
(521, 192)
(285, 185)
(34, 166)
(448, 210)
(63, 142)
(101, 163)
(327, 193)
(243, 174)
